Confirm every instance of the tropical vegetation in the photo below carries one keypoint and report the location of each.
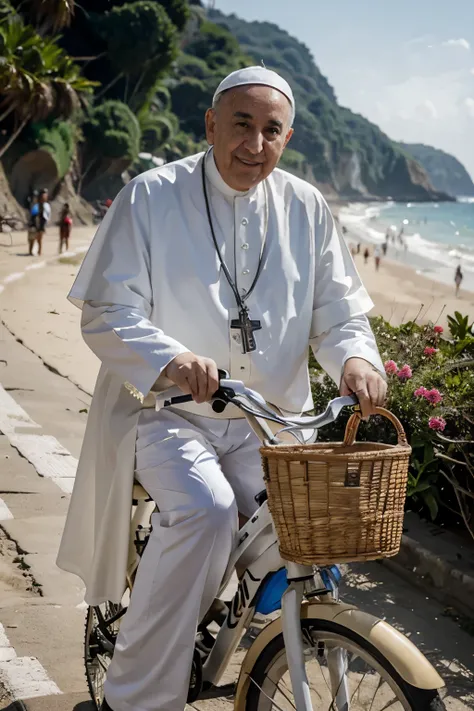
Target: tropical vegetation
(132, 79)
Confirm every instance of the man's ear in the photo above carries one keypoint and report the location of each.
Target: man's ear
(288, 136)
(210, 120)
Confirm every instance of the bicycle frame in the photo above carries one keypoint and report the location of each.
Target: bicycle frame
(256, 555)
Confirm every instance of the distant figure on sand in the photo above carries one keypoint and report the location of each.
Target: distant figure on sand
(65, 226)
(366, 255)
(40, 213)
(384, 248)
(377, 255)
(458, 277)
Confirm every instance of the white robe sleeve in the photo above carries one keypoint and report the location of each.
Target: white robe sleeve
(128, 344)
(352, 339)
(340, 329)
(114, 289)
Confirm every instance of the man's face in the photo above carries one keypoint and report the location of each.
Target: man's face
(249, 130)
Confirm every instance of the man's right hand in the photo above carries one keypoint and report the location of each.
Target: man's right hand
(194, 375)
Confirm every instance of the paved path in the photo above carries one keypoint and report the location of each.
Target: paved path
(42, 420)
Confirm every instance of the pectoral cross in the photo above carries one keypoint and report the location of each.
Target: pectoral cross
(247, 327)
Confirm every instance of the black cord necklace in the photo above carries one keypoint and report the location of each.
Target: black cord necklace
(244, 323)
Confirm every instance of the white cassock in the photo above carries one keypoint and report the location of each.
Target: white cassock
(152, 288)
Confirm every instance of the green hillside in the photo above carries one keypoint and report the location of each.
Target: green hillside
(341, 148)
(445, 172)
(94, 92)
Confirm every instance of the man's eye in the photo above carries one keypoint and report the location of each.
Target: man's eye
(274, 131)
(244, 124)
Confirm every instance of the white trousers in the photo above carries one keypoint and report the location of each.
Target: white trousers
(200, 472)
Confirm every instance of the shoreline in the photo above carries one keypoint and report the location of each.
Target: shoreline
(361, 224)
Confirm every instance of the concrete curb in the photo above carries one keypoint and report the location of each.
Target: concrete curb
(434, 574)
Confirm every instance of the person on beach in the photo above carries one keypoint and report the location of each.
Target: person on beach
(216, 260)
(41, 215)
(366, 255)
(33, 211)
(385, 248)
(377, 257)
(65, 226)
(458, 277)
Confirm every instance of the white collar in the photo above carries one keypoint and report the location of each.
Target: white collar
(216, 179)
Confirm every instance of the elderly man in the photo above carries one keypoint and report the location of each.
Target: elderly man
(217, 260)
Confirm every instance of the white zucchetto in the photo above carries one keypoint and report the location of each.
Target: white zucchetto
(257, 75)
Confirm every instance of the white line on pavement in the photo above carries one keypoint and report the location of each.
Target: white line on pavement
(6, 650)
(45, 453)
(23, 677)
(5, 515)
(80, 249)
(35, 265)
(13, 277)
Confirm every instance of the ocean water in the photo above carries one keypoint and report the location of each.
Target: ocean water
(437, 236)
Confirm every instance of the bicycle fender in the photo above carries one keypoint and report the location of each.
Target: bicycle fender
(402, 654)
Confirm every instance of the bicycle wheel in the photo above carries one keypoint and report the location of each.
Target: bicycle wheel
(345, 673)
(102, 626)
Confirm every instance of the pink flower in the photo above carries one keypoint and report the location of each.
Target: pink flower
(421, 392)
(405, 373)
(434, 396)
(437, 423)
(438, 329)
(430, 351)
(391, 368)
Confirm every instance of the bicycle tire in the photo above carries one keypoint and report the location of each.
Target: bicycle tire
(413, 698)
(95, 692)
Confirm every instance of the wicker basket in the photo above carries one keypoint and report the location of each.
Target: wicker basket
(338, 502)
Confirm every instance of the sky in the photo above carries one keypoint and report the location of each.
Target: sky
(406, 65)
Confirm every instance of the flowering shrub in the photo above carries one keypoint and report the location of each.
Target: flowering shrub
(431, 390)
(405, 373)
(437, 423)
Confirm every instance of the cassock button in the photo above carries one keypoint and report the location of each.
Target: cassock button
(245, 222)
(245, 245)
(245, 272)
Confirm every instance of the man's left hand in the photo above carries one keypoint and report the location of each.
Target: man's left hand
(361, 379)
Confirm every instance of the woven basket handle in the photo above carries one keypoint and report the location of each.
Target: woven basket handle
(355, 419)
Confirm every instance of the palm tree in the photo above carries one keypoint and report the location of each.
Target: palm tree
(37, 79)
(53, 14)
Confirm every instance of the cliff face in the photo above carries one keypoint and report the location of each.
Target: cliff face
(445, 172)
(341, 149)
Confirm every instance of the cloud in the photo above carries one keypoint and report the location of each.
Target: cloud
(462, 43)
(426, 110)
(469, 104)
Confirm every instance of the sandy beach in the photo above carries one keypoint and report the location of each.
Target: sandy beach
(35, 309)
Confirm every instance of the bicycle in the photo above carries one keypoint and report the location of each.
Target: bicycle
(319, 653)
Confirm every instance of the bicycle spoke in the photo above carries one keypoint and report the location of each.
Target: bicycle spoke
(381, 682)
(279, 708)
(341, 676)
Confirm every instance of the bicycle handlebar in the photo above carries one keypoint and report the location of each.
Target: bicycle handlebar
(254, 406)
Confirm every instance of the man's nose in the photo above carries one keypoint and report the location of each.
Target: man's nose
(254, 143)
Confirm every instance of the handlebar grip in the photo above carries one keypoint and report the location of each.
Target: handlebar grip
(181, 399)
(178, 400)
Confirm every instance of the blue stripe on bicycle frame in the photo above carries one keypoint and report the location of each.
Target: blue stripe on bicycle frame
(269, 597)
(270, 594)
